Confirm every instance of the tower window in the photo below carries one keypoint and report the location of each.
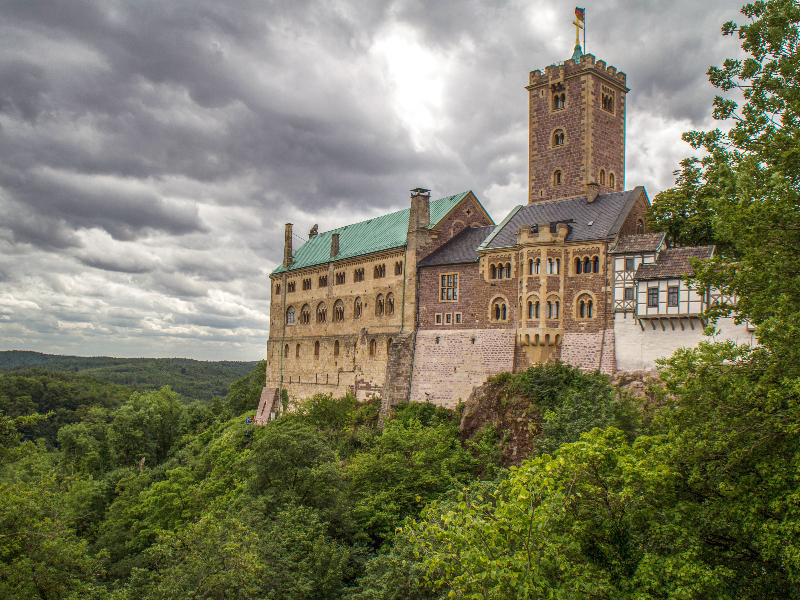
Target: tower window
(336, 348)
(611, 182)
(557, 178)
(607, 100)
(602, 177)
(290, 316)
(558, 137)
(559, 101)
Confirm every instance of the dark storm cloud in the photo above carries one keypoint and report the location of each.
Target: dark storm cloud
(152, 150)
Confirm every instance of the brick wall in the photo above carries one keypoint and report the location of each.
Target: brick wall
(638, 212)
(449, 364)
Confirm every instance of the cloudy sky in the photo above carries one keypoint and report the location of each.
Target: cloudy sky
(152, 150)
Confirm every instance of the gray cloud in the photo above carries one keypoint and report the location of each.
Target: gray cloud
(151, 151)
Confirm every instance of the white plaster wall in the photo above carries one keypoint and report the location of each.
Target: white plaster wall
(637, 350)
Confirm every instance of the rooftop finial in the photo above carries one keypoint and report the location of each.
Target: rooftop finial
(580, 23)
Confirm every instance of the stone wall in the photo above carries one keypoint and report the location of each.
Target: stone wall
(398, 371)
(589, 351)
(448, 364)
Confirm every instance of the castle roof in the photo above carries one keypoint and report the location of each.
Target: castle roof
(673, 262)
(366, 237)
(462, 248)
(598, 220)
(641, 242)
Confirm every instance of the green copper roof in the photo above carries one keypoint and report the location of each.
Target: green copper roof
(381, 233)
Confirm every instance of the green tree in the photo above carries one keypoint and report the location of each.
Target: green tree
(245, 393)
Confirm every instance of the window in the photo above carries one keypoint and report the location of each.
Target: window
(587, 265)
(558, 138)
(534, 266)
(336, 348)
(494, 271)
(389, 303)
(578, 266)
(358, 275)
(379, 305)
(305, 315)
(596, 264)
(307, 284)
(611, 183)
(379, 271)
(297, 351)
(448, 318)
(278, 289)
(323, 281)
(373, 347)
(448, 289)
(357, 308)
(290, 287)
(388, 346)
(290, 316)
(559, 101)
(672, 296)
(602, 177)
(533, 309)
(340, 278)
(629, 264)
(557, 177)
(457, 317)
(499, 310)
(652, 296)
(628, 293)
(338, 311)
(553, 266)
(584, 307)
(508, 270)
(322, 313)
(286, 351)
(316, 350)
(553, 306)
(639, 226)
(607, 100)
(438, 318)
(398, 268)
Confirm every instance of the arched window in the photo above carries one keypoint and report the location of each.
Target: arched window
(499, 309)
(596, 264)
(338, 311)
(389, 304)
(373, 347)
(500, 270)
(639, 226)
(379, 305)
(553, 306)
(558, 137)
(504, 314)
(530, 266)
(557, 179)
(358, 308)
(587, 266)
(578, 266)
(322, 312)
(388, 346)
(316, 350)
(305, 315)
(336, 348)
(611, 183)
(533, 309)
(549, 266)
(582, 308)
(559, 101)
(494, 272)
(286, 351)
(537, 266)
(297, 351)
(589, 309)
(602, 177)
(558, 305)
(549, 309)
(290, 316)
(508, 270)
(557, 266)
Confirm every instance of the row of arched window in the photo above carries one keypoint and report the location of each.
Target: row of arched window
(587, 264)
(384, 306)
(612, 183)
(500, 271)
(373, 348)
(552, 266)
(551, 309)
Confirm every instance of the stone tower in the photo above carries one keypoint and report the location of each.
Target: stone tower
(576, 129)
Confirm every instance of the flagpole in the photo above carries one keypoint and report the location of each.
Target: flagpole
(584, 32)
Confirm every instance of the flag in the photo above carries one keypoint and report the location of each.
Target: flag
(580, 13)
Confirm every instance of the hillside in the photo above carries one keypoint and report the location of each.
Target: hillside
(195, 379)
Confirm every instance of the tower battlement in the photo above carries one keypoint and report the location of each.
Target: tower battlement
(569, 68)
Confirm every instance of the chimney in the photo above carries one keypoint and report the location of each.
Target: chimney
(287, 247)
(334, 244)
(313, 231)
(592, 191)
(420, 214)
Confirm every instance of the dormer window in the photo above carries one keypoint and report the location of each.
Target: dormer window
(558, 138)
(559, 101)
(557, 177)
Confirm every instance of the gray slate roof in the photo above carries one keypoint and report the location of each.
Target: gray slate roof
(641, 242)
(462, 248)
(673, 262)
(606, 215)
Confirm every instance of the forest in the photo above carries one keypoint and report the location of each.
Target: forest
(691, 491)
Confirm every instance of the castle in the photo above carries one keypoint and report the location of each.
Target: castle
(425, 303)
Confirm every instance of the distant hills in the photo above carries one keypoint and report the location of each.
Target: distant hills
(193, 379)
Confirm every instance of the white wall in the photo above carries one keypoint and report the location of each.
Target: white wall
(637, 350)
